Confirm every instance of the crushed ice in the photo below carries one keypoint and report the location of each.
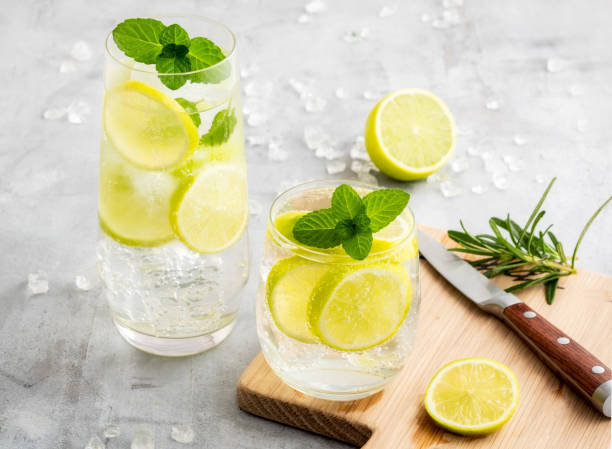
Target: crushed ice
(112, 431)
(315, 7)
(182, 433)
(38, 283)
(335, 167)
(81, 51)
(143, 439)
(95, 443)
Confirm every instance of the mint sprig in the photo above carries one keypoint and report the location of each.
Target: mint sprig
(351, 220)
(221, 129)
(171, 50)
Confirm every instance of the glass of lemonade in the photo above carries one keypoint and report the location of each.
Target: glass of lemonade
(172, 249)
(329, 325)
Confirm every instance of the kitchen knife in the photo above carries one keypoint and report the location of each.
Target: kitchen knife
(584, 372)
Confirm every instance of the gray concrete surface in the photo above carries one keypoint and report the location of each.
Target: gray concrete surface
(64, 371)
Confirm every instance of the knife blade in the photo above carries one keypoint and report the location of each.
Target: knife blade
(580, 369)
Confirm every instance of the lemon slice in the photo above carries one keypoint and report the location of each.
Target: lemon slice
(288, 289)
(472, 396)
(133, 204)
(356, 308)
(410, 134)
(148, 128)
(210, 214)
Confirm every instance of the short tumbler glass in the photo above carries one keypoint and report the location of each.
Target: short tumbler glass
(331, 326)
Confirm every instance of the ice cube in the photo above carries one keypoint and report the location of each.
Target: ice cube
(315, 7)
(335, 167)
(78, 112)
(327, 150)
(67, 67)
(143, 439)
(492, 104)
(112, 431)
(95, 443)
(298, 86)
(276, 152)
(54, 113)
(38, 283)
(371, 95)
(540, 179)
(425, 18)
(473, 151)
(258, 89)
(367, 178)
(82, 283)
(440, 24)
(314, 136)
(452, 3)
(512, 163)
(257, 119)
(556, 64)
(358, 150)
(387, 11)
(256, 141)
(81, 51)
(182, 433)
(479, 189)
(304, 18)
(485, 156)
(500, 181)
(519, 140)
(449, 189)
(255, 207)
(314, 103)
(248, 71)
(340, 92)
(459, 165)
(451, 16)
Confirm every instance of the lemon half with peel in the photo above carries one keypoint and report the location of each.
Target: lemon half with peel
(356, 308)
(147, 127)
(410, 134)
(472, 396)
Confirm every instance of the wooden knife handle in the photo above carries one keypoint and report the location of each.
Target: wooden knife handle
(584, 372)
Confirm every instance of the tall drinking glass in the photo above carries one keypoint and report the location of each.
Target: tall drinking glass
(331, 326)
(172, 248)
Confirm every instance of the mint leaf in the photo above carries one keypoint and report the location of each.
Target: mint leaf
(345, 229)
(204, 53)
(191, 109)
(317, 229)
(383, 206)
(362, 222)
(174, 34)
(221, 129)
(346, 203)
(359, 245)
(170, 63)
(139, 39)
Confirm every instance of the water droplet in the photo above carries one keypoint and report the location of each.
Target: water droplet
(473, 151)
(387, 11)
(256, 141)
(182, 433)
(500, 181)
(304, 18)
(540, 179)
(519, 140)
(371, 95)
(315, 7)
(257, 119)
(82, 283)
(95, 443)
(492, 104)
(67, 67)
(425, 18)
(459, 165)
(556, 64)
(112, 431)
(449, 189)
(255, 207)
(38, 283)
(81, 51)
(78, 112)
(276, 152)
(582, 125)
(54, 113)
(314, 103)
(479, 189)
(340, 92)
(335, 167)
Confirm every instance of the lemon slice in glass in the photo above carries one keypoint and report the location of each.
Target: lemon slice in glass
(147, 127)
(210, 214)
(356, 308)
(410, 134)
(288, 289)
(472, 396)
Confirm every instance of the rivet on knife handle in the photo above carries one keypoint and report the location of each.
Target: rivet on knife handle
(584, 372)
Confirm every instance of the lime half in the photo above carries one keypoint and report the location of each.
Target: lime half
(472, 396)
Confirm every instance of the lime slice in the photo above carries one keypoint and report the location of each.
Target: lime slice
(356, 308)
(133, 204)
(210, 214)
(288, 290)
(472, 396)
(410, 134)
(148, 128)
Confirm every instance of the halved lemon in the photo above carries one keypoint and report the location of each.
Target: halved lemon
(149, 129)
(410, 134)
(210, 214)
(356, 308)
(472, 396)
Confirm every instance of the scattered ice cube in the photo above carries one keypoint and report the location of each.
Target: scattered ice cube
(435, 177)
(314, 136)
(451, 16)
(500, 181)
(449, 189)
(143, 439)
(425, 18)
(371, 95)
(258, 89)
(492, 104)
(452, 3)
(335, 167)
(67, 67)
(367, 178)
(479, 189)
(315, 7)
(255, 207)
(582, 125)
(248, 71)
(276, 152)
(327, 150)
(81, 51)
(358, 150)
(540, 179)
(473, 151)
(54, 113)
(459, 165)
(387, 11)
(512, 163)
(256, 141)
(340, 92)
(38, 283)
(182, 433)
(78, 112)
(485, 156)
(519, 140)
(95, 443)
(314, 103)
(112, 431)
(82, 283)
(576, 90)
(304, 18)
(257, 119)
(556, 64)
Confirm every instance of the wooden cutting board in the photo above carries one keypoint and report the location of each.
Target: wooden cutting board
(549, 414)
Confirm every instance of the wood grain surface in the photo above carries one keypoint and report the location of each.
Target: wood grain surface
(549, 415)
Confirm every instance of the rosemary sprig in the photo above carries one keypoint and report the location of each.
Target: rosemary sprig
(526, 254)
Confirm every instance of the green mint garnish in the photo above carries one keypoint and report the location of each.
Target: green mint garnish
(191, 109)
(171, 50)
(351, 220)
(221, 128)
